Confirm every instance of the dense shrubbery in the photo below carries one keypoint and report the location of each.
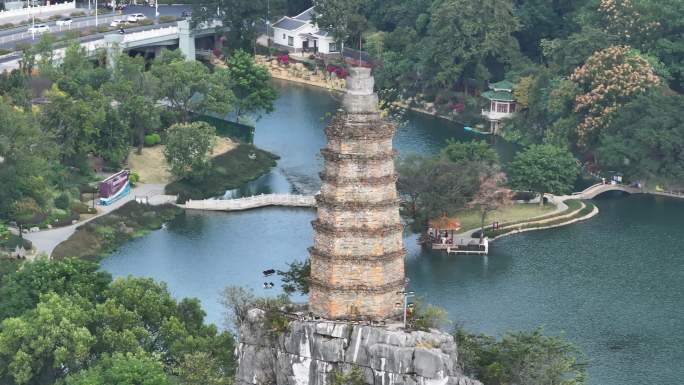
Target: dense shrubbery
(152, 140)
(62, 201)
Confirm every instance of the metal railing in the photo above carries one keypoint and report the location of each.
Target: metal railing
(75, 24)
(151, 33)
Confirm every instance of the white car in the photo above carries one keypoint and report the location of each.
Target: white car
(66, 22)
(39, 28)
(135, 17)
(117, 23)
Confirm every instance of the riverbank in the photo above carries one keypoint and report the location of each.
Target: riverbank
(576, 211)
(105, 234)
(297, 73)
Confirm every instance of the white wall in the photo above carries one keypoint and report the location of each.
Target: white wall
(324, 45)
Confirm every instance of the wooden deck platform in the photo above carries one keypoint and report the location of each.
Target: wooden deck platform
(468, 249)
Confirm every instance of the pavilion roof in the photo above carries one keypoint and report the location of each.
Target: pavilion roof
(445, 223)
(503, 85)
(504, 96)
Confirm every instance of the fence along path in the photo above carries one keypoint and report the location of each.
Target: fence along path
(251, 202)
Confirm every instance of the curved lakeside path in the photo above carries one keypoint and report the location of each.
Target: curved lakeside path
(45, 241)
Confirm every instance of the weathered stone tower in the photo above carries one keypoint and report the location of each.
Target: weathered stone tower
(357, 261)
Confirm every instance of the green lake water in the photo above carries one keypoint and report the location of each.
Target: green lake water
(614, 285)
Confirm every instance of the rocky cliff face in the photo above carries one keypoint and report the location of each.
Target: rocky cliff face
(309, 350)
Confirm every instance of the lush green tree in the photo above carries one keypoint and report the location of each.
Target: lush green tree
(149, 299)
(112, 140)
(180, 84)
(4, 235)
(434, 186)
(93, 331)
(46, 343)
(25, 156)
(241, 18)
(249, 83)
(134, 89)
(521, 358)
(563, 55)
(646, 140)
(26, 212)
(14, 87)
(21, 291)
(188, 148)
(475, 151)
(464, 35)
(541, 19)
(76, 74)
(74, 123)
(296, 278)
(344, 19)
(123, 369)
(667, 43)
(201, 368)
(544, 169)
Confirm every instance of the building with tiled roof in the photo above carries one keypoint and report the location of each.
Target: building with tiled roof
(300, 34)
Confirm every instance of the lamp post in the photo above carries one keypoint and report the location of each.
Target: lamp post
(406, 295)
(156, 8)
(96, 13)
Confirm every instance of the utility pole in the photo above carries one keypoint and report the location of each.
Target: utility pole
(96, 13)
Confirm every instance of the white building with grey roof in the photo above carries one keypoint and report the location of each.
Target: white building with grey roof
(300, 34)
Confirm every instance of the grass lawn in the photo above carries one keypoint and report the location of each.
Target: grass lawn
(151, 165)
(228, 171)
(470, 219)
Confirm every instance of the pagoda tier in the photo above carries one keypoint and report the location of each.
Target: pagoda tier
(357, 261)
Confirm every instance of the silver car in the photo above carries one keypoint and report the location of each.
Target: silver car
(39, 28)
(135, 17)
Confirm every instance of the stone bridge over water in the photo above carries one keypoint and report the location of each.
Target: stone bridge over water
(251, 202)
(600, 188)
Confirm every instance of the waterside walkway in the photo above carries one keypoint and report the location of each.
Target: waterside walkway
(45, 241)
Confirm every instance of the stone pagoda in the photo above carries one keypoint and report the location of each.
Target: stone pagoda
(357, 261)
(357, 274)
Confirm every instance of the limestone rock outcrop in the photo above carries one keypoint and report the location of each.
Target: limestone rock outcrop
(310, 349)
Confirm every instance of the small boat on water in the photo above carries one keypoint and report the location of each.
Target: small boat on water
(476, 131)
(115, 187)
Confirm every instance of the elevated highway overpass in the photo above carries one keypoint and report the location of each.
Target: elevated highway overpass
(155, 36)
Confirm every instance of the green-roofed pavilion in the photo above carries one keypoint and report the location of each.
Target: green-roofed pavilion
(501, 103)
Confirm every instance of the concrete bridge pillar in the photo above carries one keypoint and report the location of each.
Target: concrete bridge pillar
(113, 48)
(186, 41)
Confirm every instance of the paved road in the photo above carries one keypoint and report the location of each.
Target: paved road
(45, 241)
(11, 37)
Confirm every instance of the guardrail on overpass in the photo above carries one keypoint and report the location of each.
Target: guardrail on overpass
(37, 11)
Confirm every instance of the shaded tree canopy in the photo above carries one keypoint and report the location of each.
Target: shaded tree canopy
(544, 169)
(67, 322)
(646, 140)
